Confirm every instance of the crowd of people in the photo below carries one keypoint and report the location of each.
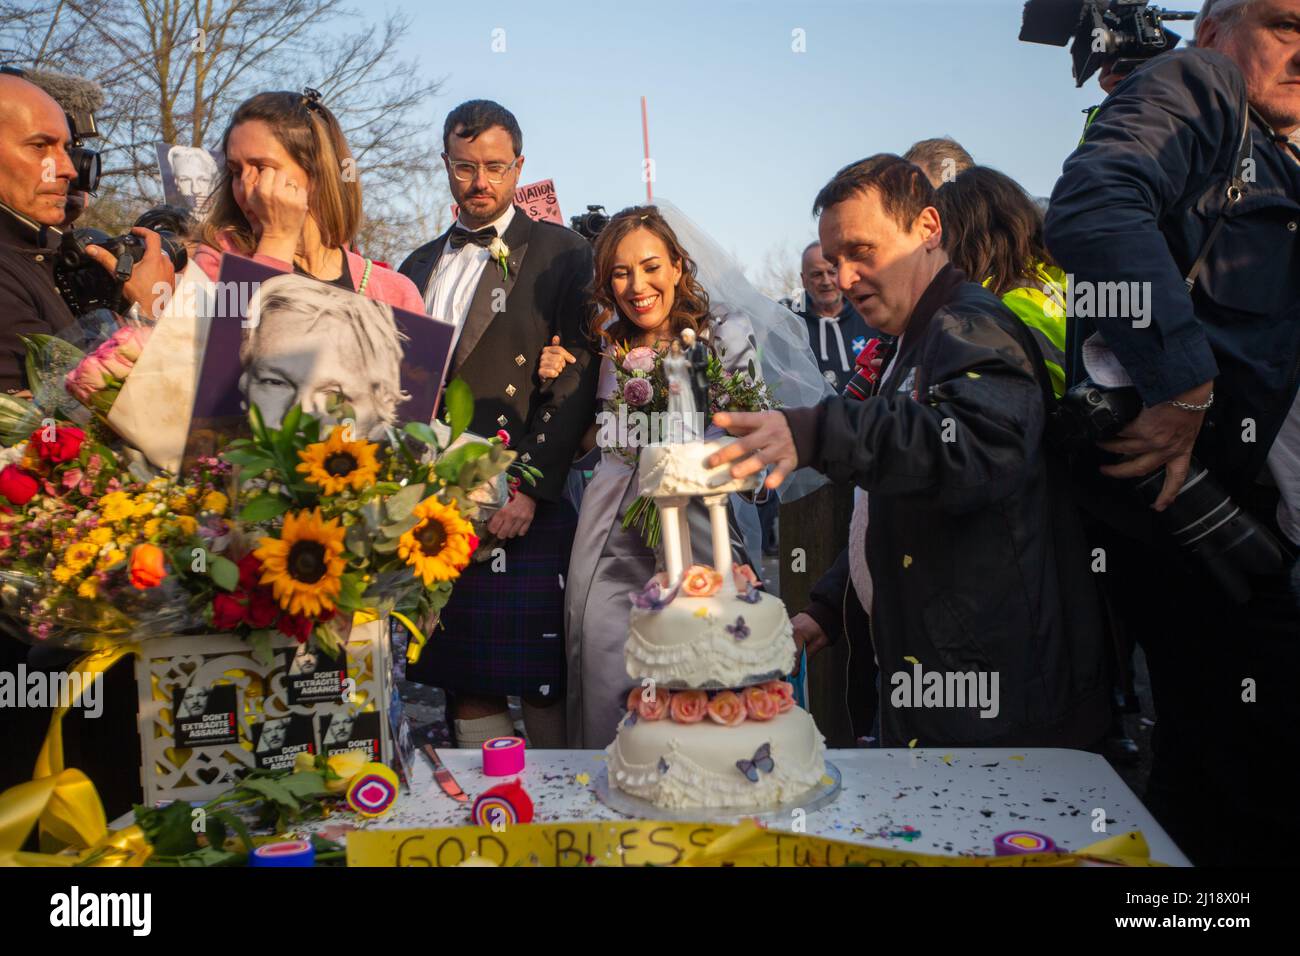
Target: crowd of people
(998, 528)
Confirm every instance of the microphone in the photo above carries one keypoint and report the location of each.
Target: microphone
(80, 98)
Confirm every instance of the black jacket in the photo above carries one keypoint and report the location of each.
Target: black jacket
(29, 301)
(1136, 202)
(976, 555)
(497, 355)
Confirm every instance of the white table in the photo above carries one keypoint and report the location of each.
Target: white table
(959, 800)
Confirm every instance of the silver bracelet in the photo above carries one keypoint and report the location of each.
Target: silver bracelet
(1188, 407)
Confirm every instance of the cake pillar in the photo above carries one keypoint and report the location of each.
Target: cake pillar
(717, 505)
(671, 513)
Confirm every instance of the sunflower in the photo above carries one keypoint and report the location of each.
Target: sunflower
(335, 464)
(304, 564)
(439, 547)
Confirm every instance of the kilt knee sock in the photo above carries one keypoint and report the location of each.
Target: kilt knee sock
(473, 733)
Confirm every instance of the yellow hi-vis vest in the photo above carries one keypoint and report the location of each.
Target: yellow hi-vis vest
(1042, 308)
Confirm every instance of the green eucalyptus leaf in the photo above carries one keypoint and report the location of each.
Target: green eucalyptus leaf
(357, 539)
(385, 545)
(263, 508)
(421, 432)
(459, 402)
(224, 572)
(403, 503)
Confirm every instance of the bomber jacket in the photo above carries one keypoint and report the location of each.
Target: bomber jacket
(975, 548)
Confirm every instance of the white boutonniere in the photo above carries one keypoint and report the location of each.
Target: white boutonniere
(500, 252)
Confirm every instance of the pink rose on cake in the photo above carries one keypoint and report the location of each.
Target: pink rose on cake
(701, 581)
(689, 706)
(760, 705)
(727, 709)
(654, 709)
(783, 691)
(640, 359)
(744, 577)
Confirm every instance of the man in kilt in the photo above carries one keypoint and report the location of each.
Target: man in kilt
(510, 285)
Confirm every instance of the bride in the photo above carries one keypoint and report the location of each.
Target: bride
(646, 293)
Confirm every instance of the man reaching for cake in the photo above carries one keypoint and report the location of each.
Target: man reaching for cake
(985, 615)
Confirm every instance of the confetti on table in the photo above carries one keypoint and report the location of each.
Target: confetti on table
(1016, 757)
(827, 780)
(947, 758)
(907, 560)
(911, 660)
(702, 612)
(583, 778)
(912, 742)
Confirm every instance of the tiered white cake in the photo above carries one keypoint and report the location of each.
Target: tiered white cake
(713, 725)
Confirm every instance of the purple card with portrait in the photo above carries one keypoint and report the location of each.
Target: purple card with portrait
(281, 339)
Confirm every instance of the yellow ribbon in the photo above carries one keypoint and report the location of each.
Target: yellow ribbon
(416, 645)
(73, 829)
(662, 843)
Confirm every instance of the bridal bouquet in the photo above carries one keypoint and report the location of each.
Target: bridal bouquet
(640, 403)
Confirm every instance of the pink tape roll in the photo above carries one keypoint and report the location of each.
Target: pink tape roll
(503, 756)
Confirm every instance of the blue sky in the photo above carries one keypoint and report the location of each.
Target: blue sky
(744, 131)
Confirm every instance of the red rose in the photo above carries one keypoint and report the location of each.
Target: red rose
(262, 608)
(16, 485)
(296, 626)
(65, 445)
(227, 612)
(250, 572)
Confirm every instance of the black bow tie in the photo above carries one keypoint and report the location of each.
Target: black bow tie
(483, 238)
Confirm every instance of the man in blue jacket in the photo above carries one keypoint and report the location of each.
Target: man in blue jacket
(1188, 178)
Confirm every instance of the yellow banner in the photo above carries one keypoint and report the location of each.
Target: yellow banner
(649, 843)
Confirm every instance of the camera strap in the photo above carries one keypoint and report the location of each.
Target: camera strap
(1236, 189)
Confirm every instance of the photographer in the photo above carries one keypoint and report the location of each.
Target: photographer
(36, 176)
(1165, 194)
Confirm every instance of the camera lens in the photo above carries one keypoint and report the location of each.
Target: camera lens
(88, 165)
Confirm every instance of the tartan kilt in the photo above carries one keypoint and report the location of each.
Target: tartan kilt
(502, 632)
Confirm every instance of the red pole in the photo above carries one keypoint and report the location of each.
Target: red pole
(645, 139)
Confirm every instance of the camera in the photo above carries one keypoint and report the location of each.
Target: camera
(85, 285)
(1127, 32)
(1203, 520)
(590, 223)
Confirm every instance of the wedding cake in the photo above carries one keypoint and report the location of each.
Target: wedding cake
(713, 723)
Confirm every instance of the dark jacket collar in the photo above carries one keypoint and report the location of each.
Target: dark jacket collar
(26, 235)
(937, 294)
(941, 290)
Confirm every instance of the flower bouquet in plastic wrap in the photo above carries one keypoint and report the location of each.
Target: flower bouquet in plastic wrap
(294, 530)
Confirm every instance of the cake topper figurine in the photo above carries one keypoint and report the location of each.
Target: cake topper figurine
(683, 412)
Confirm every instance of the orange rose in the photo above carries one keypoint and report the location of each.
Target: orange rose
(689, 706)
(783, 691)
(634, 698)
(147, 566)
(760, 705)
(701, 581)
(656, 709)
(727, 709)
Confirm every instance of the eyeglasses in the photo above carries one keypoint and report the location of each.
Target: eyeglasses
(496, 172)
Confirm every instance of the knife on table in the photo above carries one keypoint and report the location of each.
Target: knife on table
(441, 774)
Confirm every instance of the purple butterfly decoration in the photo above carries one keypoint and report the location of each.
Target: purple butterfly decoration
(752, 595)
(739, 630)
(652, 597)
(762, 762)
